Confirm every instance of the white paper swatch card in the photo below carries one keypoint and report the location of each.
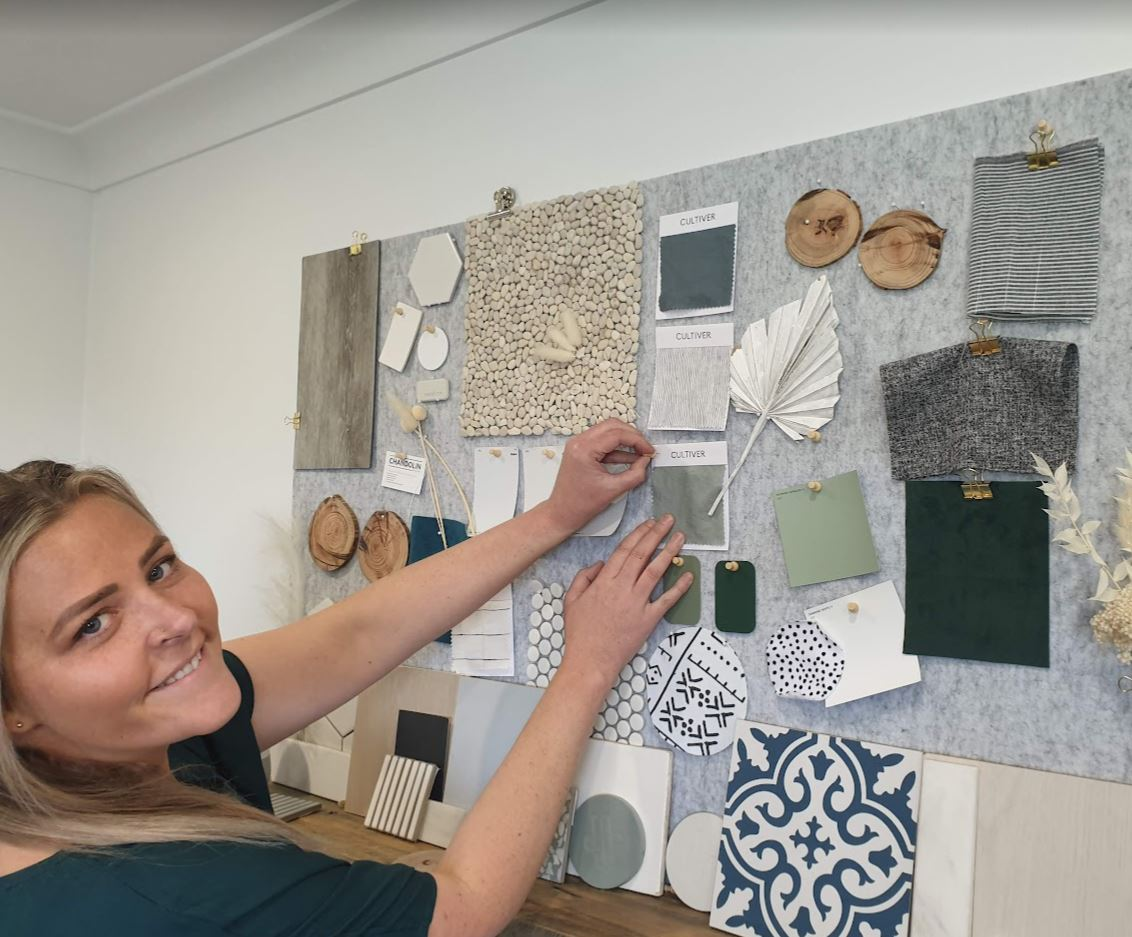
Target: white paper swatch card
(691, 387)
(540, 469)
(872, 640)
(496, 486)
(403, 472)
(403, 326)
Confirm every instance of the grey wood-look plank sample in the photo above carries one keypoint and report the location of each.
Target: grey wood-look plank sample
(337, 359)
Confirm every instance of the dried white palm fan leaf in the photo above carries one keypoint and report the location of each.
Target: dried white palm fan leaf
(787, 368)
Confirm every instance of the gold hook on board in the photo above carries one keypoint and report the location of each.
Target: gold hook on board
(294, 420)
(360, 238)
(1043, 156)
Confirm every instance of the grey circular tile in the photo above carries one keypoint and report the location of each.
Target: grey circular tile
(607, 844)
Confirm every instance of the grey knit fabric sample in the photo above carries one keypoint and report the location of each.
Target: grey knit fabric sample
(949, 410)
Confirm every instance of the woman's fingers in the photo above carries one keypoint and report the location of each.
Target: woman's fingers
(642, 550)
(620, 457)
(625, 547)
(583, 581)
(670, 597)
(611, 434)
(652, 573)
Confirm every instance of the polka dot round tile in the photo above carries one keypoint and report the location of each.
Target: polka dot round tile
(803, 662)
(607, 843)
(691, 858)
(697, 690)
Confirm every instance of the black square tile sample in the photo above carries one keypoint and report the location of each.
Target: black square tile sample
(424, 737)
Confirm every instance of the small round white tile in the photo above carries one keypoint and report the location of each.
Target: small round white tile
(547, 614)
(556, 590)
(432, 347)
(556, 639)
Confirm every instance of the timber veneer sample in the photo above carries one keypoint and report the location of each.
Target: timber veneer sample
(337, 359)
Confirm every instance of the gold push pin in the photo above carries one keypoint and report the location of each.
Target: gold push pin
(854, 608)
(498, 453)
(815, 487)
(731, 566)
(814, 435)
(677, 561)
(549, 453)
(356, 244)
(431, 329)
(397, 310)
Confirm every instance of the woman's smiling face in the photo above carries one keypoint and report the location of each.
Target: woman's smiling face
(111, 643)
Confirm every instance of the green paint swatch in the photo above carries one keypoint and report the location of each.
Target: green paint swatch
(825, 534)
(735, 593)
(687, 610)
(977, 579)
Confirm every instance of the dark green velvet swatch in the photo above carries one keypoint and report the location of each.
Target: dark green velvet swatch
(697, 269)
(735, 593)
(977, 579)
(687, 610)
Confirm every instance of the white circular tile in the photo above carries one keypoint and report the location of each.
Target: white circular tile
(637, 703)
(693, 849)
(546, 629)
(535, 619)
(624, 710)
(547, 613)
(558, 622)
(636, 739)
(637, 683)
(542, 680)
(544, 647)
(556, 590)
(556, 604)
(532, 671)
(640, 665)
(611, 698)
(599, 723)
(610, 734)
(556, 639)
(626, 673)
(533, 636)
(432, 347)
(532, 653)
(543, 665)
(636, 722)
(537, 601)
(624, 690)
(555, 659)
(546, 595)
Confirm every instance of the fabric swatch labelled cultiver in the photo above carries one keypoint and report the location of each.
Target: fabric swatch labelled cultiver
(696, 272)
(496, 486)
(1035, 236)
(693, 376)
(803, 662)
(977, 573)
(868, 626)
(949, 410)
(686, 477)
(697, 691)
(735, 596)
(825, 533)
(686, 611)
(819, 836)
(540, 471)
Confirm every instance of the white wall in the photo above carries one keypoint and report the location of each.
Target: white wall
(44, 250)
(193, 317)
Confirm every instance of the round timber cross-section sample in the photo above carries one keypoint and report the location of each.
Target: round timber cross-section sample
(822, 227)
(901, 249)
(384, 547)
(333, 534)
(607, 845)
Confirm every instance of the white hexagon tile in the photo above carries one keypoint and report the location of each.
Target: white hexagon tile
(435, 269)
(622, 717)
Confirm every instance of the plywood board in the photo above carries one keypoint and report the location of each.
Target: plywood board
(337, 352)
(375, 727)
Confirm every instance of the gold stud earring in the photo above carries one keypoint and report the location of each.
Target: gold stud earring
(19, 725)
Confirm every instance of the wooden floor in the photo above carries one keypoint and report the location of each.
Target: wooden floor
(570, 910)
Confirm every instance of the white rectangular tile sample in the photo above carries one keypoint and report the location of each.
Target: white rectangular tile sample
(943, 883)
(311, 768)
(440, 823)
(691, 384)
(489, 717)
(643, 778)
(872, 641)
(404, 323)
(540, 469)
(496, 486)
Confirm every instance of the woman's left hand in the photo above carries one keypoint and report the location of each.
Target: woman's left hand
(585, 486)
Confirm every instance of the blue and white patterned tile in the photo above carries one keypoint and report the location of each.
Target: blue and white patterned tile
(819, 836)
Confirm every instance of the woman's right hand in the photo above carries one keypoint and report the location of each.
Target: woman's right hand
(608, 610)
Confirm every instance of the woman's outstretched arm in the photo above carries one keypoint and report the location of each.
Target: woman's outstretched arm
(306, 669)
(488, 870)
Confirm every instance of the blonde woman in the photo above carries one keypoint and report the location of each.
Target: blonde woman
(132, 800)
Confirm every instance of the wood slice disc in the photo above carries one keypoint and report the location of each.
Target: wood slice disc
(901, 249)
(384, 547)
(822, 227)
(333, 534)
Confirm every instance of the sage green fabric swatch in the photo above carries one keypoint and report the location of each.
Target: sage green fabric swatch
(825, 534)
(686, 492)
(687, 610)
(977, 579)
(735, 593)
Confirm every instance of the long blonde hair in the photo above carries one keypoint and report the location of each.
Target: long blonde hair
(84, 806)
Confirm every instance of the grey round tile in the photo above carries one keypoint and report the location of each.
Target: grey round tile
(607, 845)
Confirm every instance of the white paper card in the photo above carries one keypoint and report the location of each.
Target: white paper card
(692, 453)
(403, 326)
(539, 473)
(696, 336)
(496, 486)
(403, 472)
(483, 644)
(872, 640)
(688, 222)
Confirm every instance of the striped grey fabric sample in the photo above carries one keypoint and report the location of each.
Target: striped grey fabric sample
(690, 389)
(1035, 236)
(948, 410)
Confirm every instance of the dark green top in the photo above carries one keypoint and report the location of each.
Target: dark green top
(211, 889)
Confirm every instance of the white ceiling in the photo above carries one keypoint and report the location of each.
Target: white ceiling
(65, 62)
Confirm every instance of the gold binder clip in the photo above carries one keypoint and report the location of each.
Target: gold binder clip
(504, 198)
(976, 489)
(294, 420)
(1043, 157)
(359, 239)
(985, 343)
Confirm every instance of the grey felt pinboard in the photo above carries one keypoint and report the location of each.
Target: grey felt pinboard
(1069, 718)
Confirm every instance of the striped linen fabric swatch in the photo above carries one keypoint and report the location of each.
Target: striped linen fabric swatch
(400, 796)
(1035, 236)
(692, 383)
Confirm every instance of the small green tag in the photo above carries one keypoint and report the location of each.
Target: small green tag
(687, 610)
(735, 597)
